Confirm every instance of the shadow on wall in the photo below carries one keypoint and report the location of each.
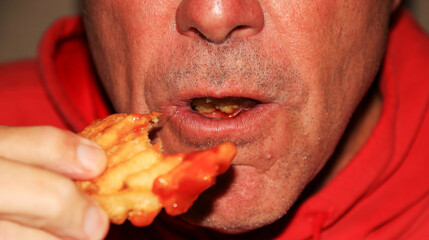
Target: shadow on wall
(22, 22)
(420, 9)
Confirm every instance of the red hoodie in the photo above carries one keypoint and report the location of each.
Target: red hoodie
(383, 193)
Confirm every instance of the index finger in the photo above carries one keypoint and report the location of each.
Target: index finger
(53, 149)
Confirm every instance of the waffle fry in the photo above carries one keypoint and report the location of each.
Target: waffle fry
(139, 179)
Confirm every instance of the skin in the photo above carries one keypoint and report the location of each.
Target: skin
(38, 199)
(308, 63)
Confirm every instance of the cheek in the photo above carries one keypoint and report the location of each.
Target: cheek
(123, 39)
(336, 47)
(327, 39)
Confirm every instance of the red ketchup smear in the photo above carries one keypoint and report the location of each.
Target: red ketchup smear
(138, 128)
(178, 189)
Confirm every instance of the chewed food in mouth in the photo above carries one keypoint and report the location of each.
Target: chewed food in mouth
(228, 107)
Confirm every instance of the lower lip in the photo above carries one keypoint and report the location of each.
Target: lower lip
(198, 129)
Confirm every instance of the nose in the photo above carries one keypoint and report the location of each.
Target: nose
(216, 20)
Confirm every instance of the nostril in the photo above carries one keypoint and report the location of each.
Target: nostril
(215, 21)
(195, 33)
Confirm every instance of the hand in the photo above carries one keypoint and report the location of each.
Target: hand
(38, 199)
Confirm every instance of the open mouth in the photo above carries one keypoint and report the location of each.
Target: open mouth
(201, 120)
(222, 108)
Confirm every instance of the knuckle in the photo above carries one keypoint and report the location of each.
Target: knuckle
(59, 206)
(65, 193)
(58, 136)
(59, 143)
(67, 211)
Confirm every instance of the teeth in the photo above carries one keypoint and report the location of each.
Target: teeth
(203, 105)
(228, 106)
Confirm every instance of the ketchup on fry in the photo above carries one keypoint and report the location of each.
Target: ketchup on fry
(178, 189)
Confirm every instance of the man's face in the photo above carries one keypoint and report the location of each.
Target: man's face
(295, 71)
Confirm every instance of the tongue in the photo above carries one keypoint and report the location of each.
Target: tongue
(222, 107)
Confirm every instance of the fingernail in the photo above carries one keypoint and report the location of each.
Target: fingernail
(91, 156)
(95, 223)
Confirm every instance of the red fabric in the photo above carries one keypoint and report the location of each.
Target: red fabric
(59, 88)
(23, 101)
(383, 193)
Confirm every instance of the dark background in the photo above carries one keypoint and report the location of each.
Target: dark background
(22, 22)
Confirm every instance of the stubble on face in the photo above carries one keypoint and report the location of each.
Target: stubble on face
(314, 61)
(275, 163)
(241, 64)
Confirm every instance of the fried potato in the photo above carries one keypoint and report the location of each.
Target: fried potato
(139, 179)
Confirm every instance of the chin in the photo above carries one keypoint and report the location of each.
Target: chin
(220, 222)
(240, 202)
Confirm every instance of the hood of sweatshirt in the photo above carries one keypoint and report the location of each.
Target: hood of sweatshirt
(383, 193)
(69, 76)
